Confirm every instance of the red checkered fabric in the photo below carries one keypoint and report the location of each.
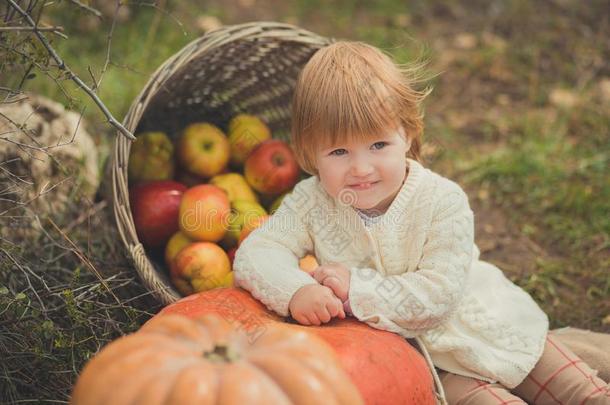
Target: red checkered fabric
(559, 378)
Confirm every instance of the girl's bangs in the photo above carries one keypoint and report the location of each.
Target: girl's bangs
(349, 116)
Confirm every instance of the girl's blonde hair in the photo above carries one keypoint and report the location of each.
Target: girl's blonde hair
(353, 91)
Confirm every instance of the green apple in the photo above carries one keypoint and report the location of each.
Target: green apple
(151, 158)
(242, 213)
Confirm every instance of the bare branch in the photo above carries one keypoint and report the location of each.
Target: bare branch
(42, 29)
(62, 66)
(160, 9)
(10, 174)
(92, 10)
(114, 19)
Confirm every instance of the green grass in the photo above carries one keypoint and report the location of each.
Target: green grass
(557, 188)
(552, 177)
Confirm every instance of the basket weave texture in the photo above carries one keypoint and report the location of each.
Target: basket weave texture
(247, 68)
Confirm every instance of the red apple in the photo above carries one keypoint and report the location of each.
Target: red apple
(154, 206)
(272, 168)
(204, 213)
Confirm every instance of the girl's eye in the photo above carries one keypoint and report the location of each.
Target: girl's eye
(379, 145)
(338, 152)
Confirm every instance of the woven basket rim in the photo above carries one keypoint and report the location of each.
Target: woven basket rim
(119, 159)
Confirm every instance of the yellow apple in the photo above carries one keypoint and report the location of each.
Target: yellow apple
(203, 149)
(204, 213)
(249, 226)
(242, 212)
(201, 266)
(308, 263)
(245, 133)
(151, 158)
(176, 243)
(228, 280)
(235, 185)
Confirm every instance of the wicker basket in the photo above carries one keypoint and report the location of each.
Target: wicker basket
(247, 68)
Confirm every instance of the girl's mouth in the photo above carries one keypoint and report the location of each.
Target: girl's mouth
(363, 186)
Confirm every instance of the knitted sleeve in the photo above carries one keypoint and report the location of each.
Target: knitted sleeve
(267, 262)
(414, 302)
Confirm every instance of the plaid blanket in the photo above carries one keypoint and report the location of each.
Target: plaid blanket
(592, 347)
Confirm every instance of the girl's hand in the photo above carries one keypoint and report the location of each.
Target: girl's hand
(315, 304)
(334, 276)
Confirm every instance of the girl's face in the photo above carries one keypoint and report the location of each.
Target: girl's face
(365, 174)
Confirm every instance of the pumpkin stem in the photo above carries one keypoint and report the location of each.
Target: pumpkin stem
(221, 354)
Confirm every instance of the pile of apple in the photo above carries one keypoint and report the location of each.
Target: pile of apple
(196, 199)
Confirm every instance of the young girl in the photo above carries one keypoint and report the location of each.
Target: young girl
(395, 243)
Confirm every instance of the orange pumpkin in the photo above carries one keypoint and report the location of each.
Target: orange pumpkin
(385, 368)
(208, 360)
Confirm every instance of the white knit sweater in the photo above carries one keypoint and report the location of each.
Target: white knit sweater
(415, 271)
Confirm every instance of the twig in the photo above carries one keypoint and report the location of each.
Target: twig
(92, 78)
(62, 66)
(110, 33)
(10, 174)
(152, 31)
(54, 30)
(26, 270)
(26, 146)
(25, 76)
(96, 12)
(85, 260)
(156, 7)
(44, 149)
(42, 29)
(41, 68)
(82, 217)
(9, 90)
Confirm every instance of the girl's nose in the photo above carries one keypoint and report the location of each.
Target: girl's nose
(360, 167)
